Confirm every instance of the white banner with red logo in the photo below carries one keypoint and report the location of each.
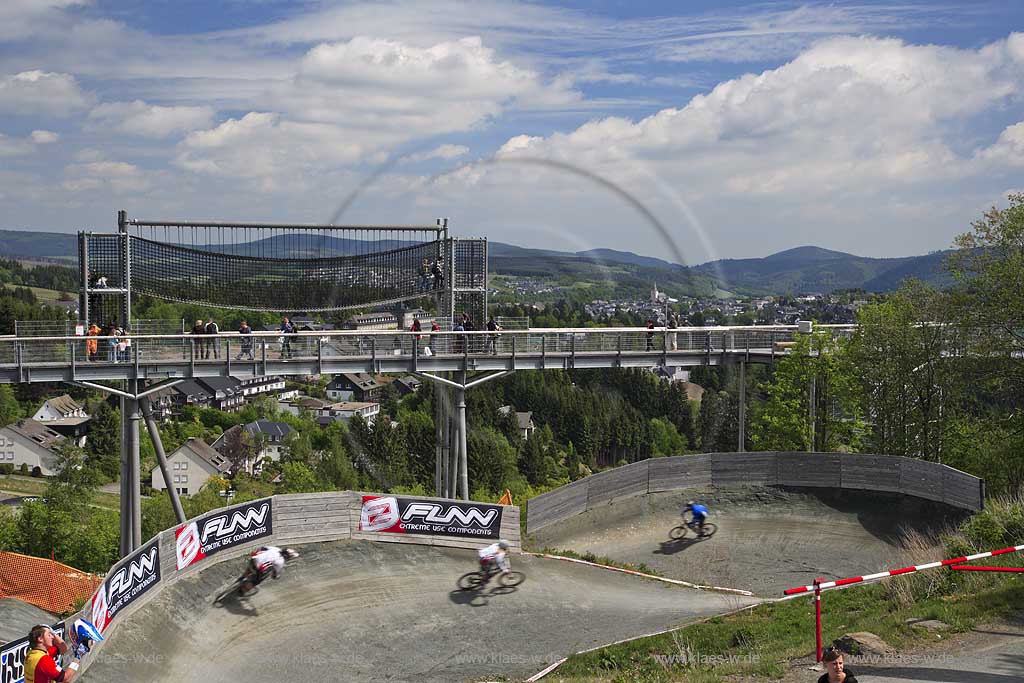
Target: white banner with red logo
(224, 529)
(389, 514)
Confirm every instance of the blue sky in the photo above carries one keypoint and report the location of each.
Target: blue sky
(877, 128)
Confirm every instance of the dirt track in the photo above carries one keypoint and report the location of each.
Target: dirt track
(361, 611)
(768, 540)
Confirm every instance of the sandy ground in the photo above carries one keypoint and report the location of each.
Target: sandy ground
(768, 539)
(361, 611)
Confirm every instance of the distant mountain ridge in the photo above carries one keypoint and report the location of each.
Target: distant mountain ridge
(801, 270)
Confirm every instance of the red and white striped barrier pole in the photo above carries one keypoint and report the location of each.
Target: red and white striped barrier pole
(896, 572)
(817, 619)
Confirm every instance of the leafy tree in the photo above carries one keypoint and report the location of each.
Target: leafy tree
(10, 410)
(297, 477)
(911, 385)
(103, 445)
(666, 439)
(492, 461)
(783, 421)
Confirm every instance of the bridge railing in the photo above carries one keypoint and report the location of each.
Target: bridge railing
(81, 350)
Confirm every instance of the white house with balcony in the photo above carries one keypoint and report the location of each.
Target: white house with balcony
(191, 466)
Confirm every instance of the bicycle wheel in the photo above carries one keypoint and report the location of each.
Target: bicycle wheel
(511, 579)
(710, 529)
(228, 592)
(678, 532)
(471, 581)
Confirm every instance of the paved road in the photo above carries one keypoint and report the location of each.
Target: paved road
(362, 611)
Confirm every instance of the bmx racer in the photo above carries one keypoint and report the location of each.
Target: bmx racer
(700, 513)
(495, 556)
(267, 560)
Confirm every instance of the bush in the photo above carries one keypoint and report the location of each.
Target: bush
(36, 472)
(7, 468)
(23, 469)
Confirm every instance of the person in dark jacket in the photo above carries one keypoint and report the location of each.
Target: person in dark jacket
(835, 671)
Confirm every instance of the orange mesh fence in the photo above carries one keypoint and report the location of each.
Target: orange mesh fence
(45, 583)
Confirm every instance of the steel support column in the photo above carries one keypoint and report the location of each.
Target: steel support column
(460, 406)
(741, 446)
(161, 458)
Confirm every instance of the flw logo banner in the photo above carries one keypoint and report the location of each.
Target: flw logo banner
(221, 530)
(390, 514)
(130, 582)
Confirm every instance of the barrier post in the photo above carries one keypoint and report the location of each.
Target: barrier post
(817, 620)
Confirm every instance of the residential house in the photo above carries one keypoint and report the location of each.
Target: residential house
(272, 435)
(191, 393)
(191, 466)
(32, 443)
(299, 403)
(406, 385)
(64, 416)
(226, 392)
(523, 420)
(355, 386)
(372, 321)
(346, 410)
(254, 386)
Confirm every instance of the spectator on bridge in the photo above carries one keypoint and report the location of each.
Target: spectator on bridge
(246, 333)
(650, 335)
(287, 330)
(492, 339)
(435, 270)
(211, 344)
(198, 329)
(123, 345)
(460, 339)
(433, 338)
(111, 332)
(425, 275)
(101, 282)
(92, 345)
(673, 323)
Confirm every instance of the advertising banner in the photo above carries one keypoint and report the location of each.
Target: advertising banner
(126, 585)
(389, 514)
(221, 530)
(12, 657)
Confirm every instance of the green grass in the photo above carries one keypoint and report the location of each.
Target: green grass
(763, 640)
(37, 487)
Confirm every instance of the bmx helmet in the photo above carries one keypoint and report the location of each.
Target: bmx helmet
(503, 545)
(289, 554)
(689, 503)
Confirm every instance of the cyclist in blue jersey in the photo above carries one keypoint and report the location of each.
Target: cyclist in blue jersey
(700, 513)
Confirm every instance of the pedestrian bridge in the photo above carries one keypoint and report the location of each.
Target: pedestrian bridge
(160, 357)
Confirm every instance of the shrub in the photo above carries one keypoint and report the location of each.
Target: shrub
(7, 468)
(23, 469)
(36, 472)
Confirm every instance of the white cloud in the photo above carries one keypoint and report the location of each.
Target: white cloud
(118, 176)
(441, 152)
(20, 19)
(44, 137)
(41, 92)
(265, 147)
(148, 120)
(1008, 150)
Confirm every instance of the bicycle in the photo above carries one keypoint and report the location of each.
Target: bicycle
(235, 589)
(679, 532)
(476, 580)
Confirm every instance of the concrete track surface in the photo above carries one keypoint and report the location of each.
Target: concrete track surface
(17, 618)
(363, 611)
(768, 539)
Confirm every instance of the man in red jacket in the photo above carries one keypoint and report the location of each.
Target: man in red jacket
(40, 665)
